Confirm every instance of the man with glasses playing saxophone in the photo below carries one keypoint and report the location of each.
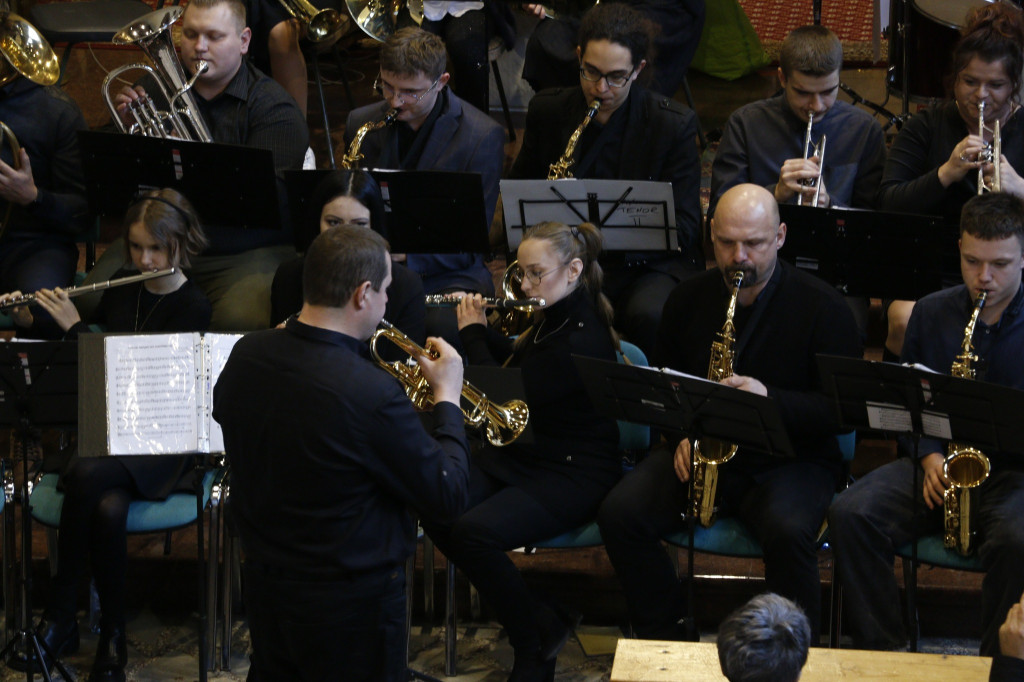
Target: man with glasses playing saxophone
(635, 134)
(876, 514)
(783, 319)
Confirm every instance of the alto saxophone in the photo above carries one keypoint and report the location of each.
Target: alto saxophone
(708, 453)
(351, 159)
(964, 466)
(560, 169)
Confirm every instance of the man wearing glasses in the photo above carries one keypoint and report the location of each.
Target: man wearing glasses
(635, 135)
(435, 130)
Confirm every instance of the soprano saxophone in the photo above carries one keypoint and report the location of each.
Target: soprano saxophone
(964, 466)
(352, 157)
(708, 453)
(560, 169)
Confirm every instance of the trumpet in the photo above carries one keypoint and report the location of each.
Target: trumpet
(26, 299)
(452, 301)
(560, 169)
(182, 120)
(323, 26)
(352, 156)
(990, 154)
(810, 150)
(503, 422)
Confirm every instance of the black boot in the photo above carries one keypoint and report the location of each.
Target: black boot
(530, 667)
(111, 656)
(56, 638)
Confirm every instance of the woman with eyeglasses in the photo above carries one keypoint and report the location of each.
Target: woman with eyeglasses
(352, 197)
(524, 493)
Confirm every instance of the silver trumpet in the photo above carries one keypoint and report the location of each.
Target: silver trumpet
(182, 120)
(990, 154)
(27, 299)
(810, 150)
(453, 300)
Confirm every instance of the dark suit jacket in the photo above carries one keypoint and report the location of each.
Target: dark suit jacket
(660, 143)
(462, 139)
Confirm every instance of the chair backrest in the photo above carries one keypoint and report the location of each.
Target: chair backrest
(633, 437)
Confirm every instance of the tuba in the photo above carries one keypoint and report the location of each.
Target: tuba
(964, 466)
(503, 422)
(811, 149)
(990, 154)
(708, 453)
(560, 169)
(352, 156)
(323, 26)
(182, 120)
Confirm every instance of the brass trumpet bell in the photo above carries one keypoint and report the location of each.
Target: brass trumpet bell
(26, 52)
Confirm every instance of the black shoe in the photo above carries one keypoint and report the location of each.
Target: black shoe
(54, 637)
(111, 656)
(530, 668)
(554, 633)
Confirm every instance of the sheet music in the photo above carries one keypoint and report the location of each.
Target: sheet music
(218, 348)
(151, 394)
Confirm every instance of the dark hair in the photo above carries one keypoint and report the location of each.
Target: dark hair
(409, 51)
(172, 221)
(339, 260)
(993, 33)
(359, 185)
(765, 640)
(993, 216)
(583, 242)
(620, 24)
(813, 50)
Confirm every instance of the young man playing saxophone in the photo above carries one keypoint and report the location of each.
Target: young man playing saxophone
(783, 319)
(876, 515)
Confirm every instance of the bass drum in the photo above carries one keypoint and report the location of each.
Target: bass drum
(934, 30)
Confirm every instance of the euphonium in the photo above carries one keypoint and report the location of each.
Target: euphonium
(182, 120)
(560, 169)
(708, 453)
(810, 150)
(503, 422)
(352, 156)
(990, 154)
(964, 466)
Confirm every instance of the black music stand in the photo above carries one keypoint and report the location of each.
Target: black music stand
(38, 387)
(691, 405)
(868, 253)
(916, 401)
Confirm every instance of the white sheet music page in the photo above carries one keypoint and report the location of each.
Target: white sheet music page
(218, 348)
(151, 394)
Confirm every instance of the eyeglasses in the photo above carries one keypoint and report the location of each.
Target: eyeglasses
(382, 88)
(615, 79)
(536, 277)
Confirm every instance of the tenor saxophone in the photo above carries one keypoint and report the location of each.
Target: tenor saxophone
(965, 467)
(708, 453)
(352, 157)
(560, 169)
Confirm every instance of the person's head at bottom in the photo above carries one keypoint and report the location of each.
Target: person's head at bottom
(765, 640)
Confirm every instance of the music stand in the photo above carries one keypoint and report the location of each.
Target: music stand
(38, 387)
(634, 215)
(868, 253)
(691, 405)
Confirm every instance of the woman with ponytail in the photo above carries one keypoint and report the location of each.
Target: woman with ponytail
(526, 493)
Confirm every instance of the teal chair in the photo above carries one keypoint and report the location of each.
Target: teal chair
(634, 440)
(146, 516)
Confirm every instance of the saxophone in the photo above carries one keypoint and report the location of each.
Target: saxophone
(964, 466)
(708, 453)
(351, 159)
(560, 170)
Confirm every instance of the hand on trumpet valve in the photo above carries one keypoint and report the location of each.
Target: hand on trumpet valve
(470, 310)
(21, 315)
(800, 176)
(442, 371)
(1010, 182)
(963, 159)
(17, 185)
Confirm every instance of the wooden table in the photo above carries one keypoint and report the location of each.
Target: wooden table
(639, 660)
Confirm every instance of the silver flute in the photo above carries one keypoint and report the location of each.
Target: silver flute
(452, 301)
(26, 299)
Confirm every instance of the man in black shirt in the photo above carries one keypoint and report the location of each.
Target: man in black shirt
(327, 456)
(784, 318)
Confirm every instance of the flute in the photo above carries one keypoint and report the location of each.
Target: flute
(452, 301)
(26, 299)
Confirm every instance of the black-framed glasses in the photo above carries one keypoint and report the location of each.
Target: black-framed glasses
(385, 90)
(615, 79)
(537, 277)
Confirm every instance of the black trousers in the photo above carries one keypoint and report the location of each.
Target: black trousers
(783, 507)
(349, 629)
